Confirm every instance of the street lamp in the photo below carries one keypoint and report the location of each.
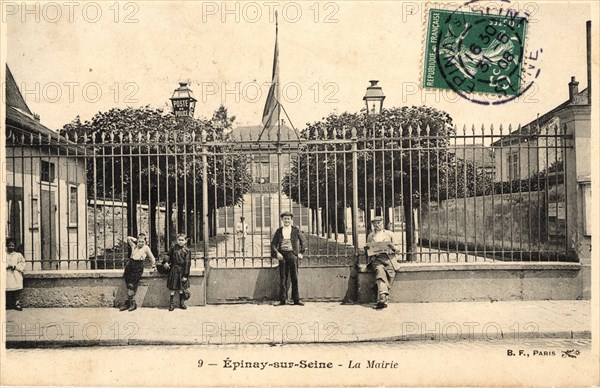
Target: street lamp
(183, 101)
(374, 98)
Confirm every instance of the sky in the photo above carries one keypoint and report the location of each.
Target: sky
(79, 58)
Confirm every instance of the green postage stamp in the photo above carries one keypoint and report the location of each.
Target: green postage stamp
(474, 52)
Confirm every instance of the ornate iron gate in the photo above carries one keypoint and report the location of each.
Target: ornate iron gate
(472, 196)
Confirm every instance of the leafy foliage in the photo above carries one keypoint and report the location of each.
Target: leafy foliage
(142, 155)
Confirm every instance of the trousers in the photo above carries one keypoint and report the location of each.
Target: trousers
(384, 276)
(288, 271)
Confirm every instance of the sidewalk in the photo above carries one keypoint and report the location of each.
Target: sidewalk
(517, 321)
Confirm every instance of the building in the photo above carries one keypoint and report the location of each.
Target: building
(481, 156)
(261, 203)
(517, 155)
(46, 189)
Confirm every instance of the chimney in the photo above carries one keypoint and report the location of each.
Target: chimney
(588, 26)
(573, 89)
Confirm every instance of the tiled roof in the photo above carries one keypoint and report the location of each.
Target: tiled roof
(532, 129)
(20, 117)
(476, 153)
(14, 98)
(253, 132)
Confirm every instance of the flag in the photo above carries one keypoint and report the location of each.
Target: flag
(271, 110)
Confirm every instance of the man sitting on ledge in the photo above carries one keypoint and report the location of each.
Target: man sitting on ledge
(380, 244)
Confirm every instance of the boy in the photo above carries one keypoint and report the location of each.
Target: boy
(287, 246)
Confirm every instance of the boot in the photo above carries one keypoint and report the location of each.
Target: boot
(132, 305)
(172, 304)
(9, 300)
(182, 302)
(126, 304)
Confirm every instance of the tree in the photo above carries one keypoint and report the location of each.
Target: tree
(145, 156)
(401, 156)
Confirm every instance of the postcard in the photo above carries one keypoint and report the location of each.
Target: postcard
(188, 188)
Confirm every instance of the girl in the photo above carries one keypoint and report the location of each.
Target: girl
(135, 268)
(15, 265)
(179, 261)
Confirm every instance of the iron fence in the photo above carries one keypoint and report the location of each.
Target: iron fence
(473, 195)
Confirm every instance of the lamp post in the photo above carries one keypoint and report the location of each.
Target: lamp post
(374, 98)
(183, 101)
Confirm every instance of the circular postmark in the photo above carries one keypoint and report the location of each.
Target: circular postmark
(478, 53)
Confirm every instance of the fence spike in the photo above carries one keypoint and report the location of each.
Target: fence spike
(427, 130)
(353, 133)
(417, 131)
(501, 129)
(473, 129)
(482, 129)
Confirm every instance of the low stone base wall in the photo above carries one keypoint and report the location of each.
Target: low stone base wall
(103, 288)
(238, 285)
(418, 283)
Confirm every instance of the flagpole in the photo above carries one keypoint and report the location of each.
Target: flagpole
(278, 121)
(278, 77)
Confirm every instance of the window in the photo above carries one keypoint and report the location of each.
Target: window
(262, 208)
(48, 171)
(513, 166)
(301, 215)
(361, 216)
(274, 172)
(398, 214)
(226, 219)
(35, 213)
(261, 169)
(73, 213)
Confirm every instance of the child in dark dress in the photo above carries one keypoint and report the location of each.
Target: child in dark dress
(179, 262)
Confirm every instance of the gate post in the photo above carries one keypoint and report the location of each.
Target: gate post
(353, 284)
(205, 214)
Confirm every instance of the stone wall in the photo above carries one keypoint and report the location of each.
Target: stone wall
(415, 283)
(107, 227)
(531, 224)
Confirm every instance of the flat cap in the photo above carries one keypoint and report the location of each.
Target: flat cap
(286, 214)
(377, 219)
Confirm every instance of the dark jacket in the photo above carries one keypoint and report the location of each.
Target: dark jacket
(181, 257)
(297, 237)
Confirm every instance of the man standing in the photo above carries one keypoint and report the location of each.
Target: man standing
(287, 246)
(241, 231)
(380, 244)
